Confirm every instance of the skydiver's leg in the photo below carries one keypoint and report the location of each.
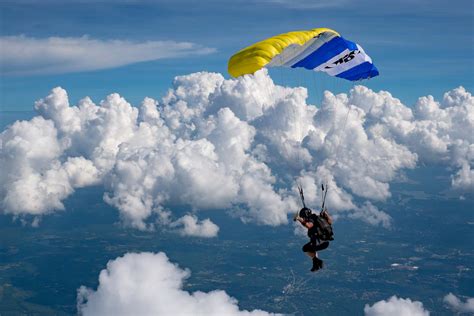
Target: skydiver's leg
(311, 254)
(309, 249)
(316, 261)
(312, 248)
(321, 246)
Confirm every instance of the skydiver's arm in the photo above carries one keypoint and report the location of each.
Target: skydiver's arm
(328, 217)
(304, 223)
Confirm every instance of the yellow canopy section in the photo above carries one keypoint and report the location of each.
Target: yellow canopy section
(256, 56)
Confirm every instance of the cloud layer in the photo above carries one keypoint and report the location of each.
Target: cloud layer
(459, 306)
(27, 55)
(239, 145)
(395, 306)
(149, 284)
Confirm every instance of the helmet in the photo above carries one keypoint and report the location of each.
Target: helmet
(305, 212)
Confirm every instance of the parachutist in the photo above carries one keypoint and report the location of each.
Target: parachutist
(317, 239)
(319, 230)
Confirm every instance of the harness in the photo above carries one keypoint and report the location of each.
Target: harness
(322, 229)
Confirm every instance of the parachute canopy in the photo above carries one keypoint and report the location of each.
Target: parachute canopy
(320, 49)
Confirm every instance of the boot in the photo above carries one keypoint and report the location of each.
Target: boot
(321, 263)
(317, 264)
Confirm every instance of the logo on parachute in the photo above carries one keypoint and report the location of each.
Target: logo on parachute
(346, 58)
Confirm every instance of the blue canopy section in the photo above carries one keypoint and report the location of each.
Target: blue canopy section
(340, 58)
(363, 71)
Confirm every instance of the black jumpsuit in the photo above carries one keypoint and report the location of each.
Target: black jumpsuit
(315, 243)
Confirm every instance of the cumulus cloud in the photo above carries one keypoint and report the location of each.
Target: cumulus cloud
(459, 306)
(189, 225)
(27, 55)
(463, 180)
(240, 145)
(438, 132)
(149, 284)
(372, 215)
(34, 179)
(395, 306)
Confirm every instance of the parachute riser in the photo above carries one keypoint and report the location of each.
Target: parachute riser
(300, 190)
(324, 193)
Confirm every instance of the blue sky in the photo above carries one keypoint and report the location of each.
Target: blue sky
(420, 47)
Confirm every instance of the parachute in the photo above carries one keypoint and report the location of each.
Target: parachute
(319, 49)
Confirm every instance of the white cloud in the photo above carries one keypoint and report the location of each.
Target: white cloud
(238, 144)
(395, 306)
(27, 55)
(191, 226)
(464, 178)
(457, 305)
(438, 132)
(370, 214)
(33, 179)
(337, 198)
(149, 284)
